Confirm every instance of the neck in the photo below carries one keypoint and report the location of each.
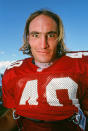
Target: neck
(43, 65)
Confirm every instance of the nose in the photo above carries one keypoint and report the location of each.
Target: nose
(44, 42)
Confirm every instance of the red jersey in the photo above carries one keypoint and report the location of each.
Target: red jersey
(54, 93)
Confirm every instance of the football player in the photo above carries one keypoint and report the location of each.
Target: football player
(49, 91)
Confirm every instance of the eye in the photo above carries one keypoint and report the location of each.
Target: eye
(51, 35)
(35, 35)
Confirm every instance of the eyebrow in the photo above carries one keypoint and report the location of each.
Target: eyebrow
(36, 32)
(54, 32)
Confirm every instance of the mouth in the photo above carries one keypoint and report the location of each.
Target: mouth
(43, 52)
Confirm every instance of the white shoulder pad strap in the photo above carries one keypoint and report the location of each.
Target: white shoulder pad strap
(15, 64)
(76, 54)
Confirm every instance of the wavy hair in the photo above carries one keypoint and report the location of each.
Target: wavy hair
(61, 47)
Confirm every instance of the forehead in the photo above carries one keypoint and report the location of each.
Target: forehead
(42, 23)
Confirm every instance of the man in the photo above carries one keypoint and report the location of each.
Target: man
(49, 91)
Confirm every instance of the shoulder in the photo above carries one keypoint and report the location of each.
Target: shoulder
(77, 54)
(79, 59)
(17, 64)
(15, 68)
(75, 57)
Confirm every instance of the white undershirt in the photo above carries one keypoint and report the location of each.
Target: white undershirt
(42, 65)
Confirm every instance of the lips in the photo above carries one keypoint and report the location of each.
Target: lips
(43, 52)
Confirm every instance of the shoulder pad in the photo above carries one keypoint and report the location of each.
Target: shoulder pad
(77, 54)
(15, 64)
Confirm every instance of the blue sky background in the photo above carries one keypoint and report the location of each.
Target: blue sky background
(13, 15)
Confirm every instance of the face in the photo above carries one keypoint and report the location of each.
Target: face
(43, 38)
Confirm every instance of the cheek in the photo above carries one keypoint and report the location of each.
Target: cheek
(54, 46)
(31, 43)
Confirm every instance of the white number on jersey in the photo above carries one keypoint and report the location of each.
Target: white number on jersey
(77, 54)
(30, 92)
(58, 84)
(15, 64)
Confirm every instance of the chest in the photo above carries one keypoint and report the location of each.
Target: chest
(53, 89)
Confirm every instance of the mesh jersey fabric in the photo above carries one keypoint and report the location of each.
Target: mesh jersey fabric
(51, 94)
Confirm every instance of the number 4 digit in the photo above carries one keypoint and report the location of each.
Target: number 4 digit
(30, 93)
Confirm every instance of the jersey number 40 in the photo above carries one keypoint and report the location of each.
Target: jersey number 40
(30, 92)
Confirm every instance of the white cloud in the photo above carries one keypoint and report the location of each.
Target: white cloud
(14, 55)
(3, 65)
(2, 52)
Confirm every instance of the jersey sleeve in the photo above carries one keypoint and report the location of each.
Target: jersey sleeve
(84, 99)
(8, 90)
(82, 59)
(9, 84)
